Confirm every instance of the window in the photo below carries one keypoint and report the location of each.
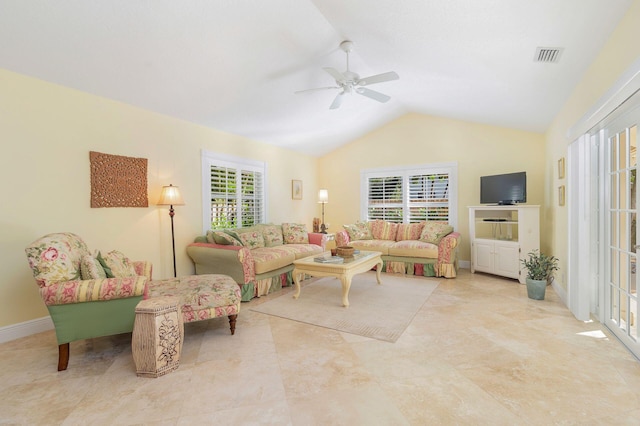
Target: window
(410, 194)
(233, 191)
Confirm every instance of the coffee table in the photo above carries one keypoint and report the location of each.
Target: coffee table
(359, 263)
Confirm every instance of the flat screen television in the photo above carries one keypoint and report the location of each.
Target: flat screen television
(510, 188)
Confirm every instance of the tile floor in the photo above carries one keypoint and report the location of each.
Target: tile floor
(478, 352)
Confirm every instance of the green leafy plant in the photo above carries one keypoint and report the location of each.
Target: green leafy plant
(540, 266)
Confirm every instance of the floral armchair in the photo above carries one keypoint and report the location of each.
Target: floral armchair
(87, 296)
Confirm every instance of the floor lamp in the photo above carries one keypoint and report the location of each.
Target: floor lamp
(323, 198)
(170, 196)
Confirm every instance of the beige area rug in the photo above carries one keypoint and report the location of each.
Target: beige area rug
(380, 312)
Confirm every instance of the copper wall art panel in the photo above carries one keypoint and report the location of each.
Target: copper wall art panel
(118, 181)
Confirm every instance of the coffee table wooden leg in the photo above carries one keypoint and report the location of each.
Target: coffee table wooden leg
(296, 281)
(378, 270)
(346, 285)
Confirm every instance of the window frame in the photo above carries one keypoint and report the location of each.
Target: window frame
(209, 159)
(450, 169)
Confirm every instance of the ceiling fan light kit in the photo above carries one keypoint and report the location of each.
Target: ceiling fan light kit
(348, 82)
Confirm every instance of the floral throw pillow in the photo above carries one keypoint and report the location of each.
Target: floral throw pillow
(409, 231)
(250, 237)
(119, 264)
(358, 231)
(433, 232)
(272, 235)
(295, 233)
(383, 230)
(91, 269)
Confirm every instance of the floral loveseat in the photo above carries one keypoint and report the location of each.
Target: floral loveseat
(259, 258)
(426, 248)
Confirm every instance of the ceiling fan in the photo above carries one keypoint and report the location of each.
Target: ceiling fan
(349, 82)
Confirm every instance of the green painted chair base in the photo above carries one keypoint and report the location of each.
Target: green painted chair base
(79, 321)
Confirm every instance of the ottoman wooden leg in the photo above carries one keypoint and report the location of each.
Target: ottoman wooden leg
(232, 323)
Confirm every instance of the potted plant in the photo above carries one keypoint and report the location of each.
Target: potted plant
(540, 269)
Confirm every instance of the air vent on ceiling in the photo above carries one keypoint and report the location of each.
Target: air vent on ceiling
(548, 54)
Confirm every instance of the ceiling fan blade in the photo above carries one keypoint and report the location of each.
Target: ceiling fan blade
(316, 89)
(337, 101)
(380, 97)
(378, 78)
(336, 74)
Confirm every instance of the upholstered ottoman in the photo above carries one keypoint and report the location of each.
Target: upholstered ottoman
(202, 296)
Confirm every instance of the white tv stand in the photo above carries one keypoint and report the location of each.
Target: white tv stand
(501, 236)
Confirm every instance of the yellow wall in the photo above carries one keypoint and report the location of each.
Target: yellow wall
(419, 139)
(619, 52)
(47, 132)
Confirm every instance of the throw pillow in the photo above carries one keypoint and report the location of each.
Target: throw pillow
(91, 269)
(433, 232)
(209, 236)
(119, 264)
(383, 230)
(272, 235)
(103, 263)
(295, 233)
(222, 238)
(409, 231)
(233, 234)
(250, 237)
(358, 231)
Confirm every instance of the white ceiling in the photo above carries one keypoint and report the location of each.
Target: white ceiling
(234, 65)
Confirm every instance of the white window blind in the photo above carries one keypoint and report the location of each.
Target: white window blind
(411, 194)
(233, 192)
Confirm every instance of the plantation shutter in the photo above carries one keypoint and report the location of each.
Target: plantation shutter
(236, 195)
(223, 198)
(385, 198)
(428, 197)
(411, 194)
(251, 200)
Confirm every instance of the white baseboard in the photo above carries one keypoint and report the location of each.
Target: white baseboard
(466, 264)
(24, 329)
(560, 292)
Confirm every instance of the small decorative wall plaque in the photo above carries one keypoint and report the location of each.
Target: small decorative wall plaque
(118, 181)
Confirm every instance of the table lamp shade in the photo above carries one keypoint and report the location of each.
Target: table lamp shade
(323, 196)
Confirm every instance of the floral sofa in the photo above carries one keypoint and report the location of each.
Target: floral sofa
(426, 248)
(259, 258)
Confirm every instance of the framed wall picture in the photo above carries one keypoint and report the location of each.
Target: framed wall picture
(561, 168)
(296, 189)
(561, 195)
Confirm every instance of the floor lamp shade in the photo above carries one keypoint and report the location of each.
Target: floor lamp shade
(323, 198)
(170, 196)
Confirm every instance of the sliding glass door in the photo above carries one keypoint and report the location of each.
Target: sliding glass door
(620, 280)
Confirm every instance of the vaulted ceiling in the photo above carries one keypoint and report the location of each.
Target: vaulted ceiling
(234, 65)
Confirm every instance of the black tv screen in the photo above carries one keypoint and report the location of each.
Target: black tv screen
(508, 188)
